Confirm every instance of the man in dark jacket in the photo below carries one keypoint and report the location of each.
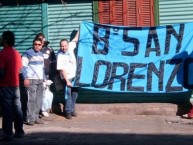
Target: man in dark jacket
(50, 66)
(49, 57)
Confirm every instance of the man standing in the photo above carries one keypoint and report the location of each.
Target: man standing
(50, 69)
(49, 57)
(10, 65)
(66, 64)
(34, 75)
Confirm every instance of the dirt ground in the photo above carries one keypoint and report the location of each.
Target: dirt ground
(108, 129)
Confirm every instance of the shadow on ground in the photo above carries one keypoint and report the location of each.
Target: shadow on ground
(58, 138)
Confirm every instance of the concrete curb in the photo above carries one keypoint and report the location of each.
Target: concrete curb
(128, 108)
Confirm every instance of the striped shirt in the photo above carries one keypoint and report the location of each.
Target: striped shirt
(33, 65)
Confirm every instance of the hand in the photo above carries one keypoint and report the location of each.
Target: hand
(26, 83)
(44, 84)
(69, 84)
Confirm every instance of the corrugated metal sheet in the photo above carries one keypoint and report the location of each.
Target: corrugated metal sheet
(64, 18)
(175, 11)
(93, 96)
(24, 21)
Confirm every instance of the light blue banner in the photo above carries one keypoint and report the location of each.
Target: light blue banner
(135, 59)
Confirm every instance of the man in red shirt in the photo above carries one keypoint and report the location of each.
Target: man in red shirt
(10, 65)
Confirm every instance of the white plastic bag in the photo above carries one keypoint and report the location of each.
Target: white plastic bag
(48, 97)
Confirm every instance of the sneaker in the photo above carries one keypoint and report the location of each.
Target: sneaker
(31, 123)
(39, 121)
(68, 116)
(187, 116)
(74, 114)
(45, 114)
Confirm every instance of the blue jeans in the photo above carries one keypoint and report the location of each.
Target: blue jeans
(70, 101)
(11, 105)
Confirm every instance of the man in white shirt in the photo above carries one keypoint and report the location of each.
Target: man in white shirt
(66, 64)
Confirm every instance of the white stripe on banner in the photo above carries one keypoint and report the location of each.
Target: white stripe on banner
(135, 59)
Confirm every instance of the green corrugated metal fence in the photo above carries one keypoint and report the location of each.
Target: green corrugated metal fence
(55, 21)
(64, 18)
(25, 21)
(175, 11)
